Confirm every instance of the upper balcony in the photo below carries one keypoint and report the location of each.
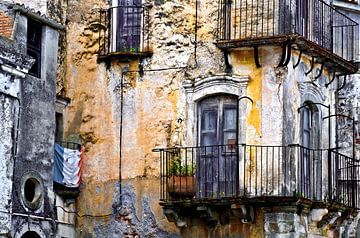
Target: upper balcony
(311, 26)
(248, 174)
(125, 34)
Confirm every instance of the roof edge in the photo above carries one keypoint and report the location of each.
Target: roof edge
(43, 19)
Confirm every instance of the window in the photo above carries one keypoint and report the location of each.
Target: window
(310, 162)
(217, 117)
(310, 137)
(34, 35)
(30, 234)
(127, 26)
(59, 127)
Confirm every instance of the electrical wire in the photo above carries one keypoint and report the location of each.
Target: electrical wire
(157, 70)
(86, 215)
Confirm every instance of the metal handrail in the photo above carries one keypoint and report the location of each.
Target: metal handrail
(69, 145)
(316, 21)
(251, 171)
(126, 30)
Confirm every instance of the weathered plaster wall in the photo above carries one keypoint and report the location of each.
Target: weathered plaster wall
(152, 104)
(349, 104)
(35, 142)
(6, 153)
(13, 66)
(232, 227)
(349, 100)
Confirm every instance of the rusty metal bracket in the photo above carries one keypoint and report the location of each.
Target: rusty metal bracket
(246, 97)
(288, 54)
(298, 61)
(227, 63)
(283, 55)
(332, 80)
(256, 57)
(312, 66)
(343, 84)
(321, 71)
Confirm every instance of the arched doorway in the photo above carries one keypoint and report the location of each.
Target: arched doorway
(30, 234)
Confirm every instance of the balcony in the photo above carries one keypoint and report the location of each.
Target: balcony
(310, 26)
(125, 34)
(67, 168)
(249, 174)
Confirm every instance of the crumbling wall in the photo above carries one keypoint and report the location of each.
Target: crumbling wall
(349, 104)
(155, 108)
(13, 66)
(7, 126)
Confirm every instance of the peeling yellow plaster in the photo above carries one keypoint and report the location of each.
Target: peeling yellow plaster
(244, 59)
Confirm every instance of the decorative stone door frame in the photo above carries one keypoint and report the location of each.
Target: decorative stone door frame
(200, 88)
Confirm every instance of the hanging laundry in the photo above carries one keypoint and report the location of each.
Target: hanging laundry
(67, 166)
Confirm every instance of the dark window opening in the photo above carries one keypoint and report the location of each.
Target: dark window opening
(310, 126)
(34, 35)
(30, 234)
(350, 1)
(59, 127)
(30, 190)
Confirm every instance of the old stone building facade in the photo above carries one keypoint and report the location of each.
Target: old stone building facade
(198, 118)
(29, 49)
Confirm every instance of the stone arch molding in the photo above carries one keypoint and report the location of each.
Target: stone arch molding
(25, 227)
(312, 93)
(203, 87)
(200, 88)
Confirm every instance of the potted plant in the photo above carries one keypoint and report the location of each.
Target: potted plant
(181, 178)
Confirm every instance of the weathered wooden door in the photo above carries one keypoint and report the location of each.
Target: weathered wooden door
(217, 135)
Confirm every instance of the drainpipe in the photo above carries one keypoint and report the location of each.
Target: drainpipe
(196, 29)
(123, 73)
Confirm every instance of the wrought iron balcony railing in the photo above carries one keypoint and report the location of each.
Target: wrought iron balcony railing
(309, 20)
(69, 145)
(248, 171)
(126, 31)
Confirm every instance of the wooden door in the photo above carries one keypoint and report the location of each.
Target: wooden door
(217, 130)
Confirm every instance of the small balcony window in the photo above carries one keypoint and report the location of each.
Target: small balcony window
(34, 35)
(126, 31)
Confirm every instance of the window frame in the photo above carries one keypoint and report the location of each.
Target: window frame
(34, 48)
(314, 126)
(126, 26)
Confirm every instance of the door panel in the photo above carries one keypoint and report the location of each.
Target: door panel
(209, 127)
(217, 160)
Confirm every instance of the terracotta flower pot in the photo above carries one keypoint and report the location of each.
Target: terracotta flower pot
(181, 186)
